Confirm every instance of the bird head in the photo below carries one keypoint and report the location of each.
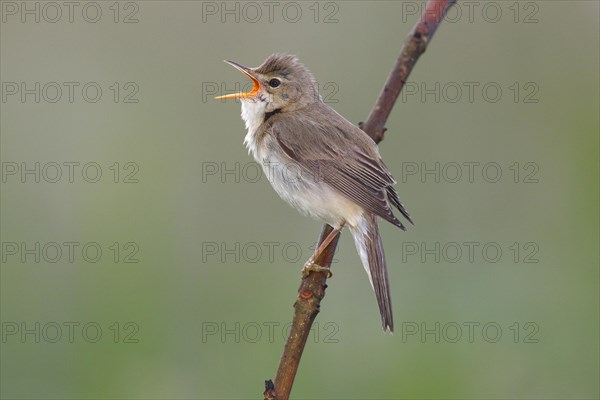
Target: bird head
(281, 82)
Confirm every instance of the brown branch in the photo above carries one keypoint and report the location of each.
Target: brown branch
(312, 288)
(414, 45)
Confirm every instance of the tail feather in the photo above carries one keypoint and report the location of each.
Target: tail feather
(369, 246)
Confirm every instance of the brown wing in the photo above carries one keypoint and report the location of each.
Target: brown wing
(332, 149)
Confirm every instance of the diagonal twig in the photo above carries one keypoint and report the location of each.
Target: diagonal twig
(312, 288)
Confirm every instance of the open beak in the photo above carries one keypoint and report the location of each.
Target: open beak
(241, 95)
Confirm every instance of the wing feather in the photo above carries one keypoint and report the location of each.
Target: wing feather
(345, 157)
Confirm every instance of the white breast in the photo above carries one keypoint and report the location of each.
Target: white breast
(253, 114)
(302, 191)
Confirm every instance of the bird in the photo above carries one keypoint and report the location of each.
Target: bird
(320, 163)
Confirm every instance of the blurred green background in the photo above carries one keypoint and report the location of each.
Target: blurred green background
(202, 314)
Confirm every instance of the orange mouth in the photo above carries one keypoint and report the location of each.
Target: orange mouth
(241, 95)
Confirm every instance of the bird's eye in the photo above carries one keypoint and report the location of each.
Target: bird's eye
(274, 82)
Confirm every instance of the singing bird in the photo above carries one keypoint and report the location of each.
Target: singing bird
(320, 163)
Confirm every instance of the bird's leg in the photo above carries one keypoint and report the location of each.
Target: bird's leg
(311, 265)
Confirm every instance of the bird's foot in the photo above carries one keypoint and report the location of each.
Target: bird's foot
(311, 266)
